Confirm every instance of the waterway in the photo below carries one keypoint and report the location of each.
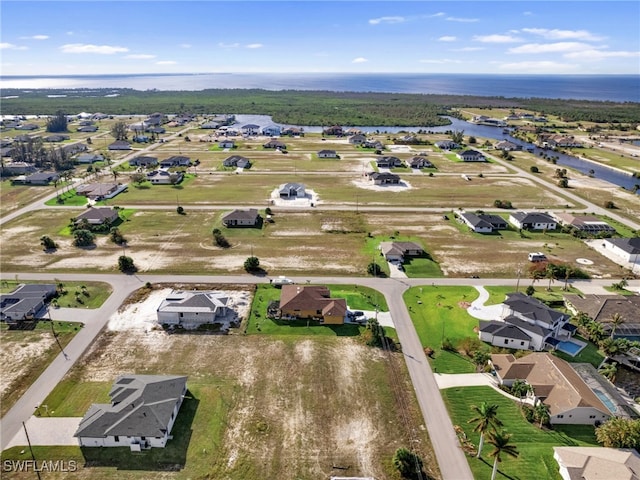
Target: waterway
(592, 169)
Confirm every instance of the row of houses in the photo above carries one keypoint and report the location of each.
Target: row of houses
(390, 161)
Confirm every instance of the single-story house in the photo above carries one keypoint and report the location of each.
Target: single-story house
(27, 126)
(526, 324)
(242, 218)
(89, 158)
(18, 168)
(191, 309)
(584, 223)
(120, 145)
(250, 129)
(41, 178)
(56, 138)
(327, 154)
(98, 216)
(397, 251)
(388, 162)
(357, 139)
(226, 144)
(597, 463)
(311, 302)
(156, 118)
(210, 125)
(447, 145)
(237, 161)
(484, 120)
(155, 129)
(292, 190)
(384, 178)
(556, 384)
(293, 131)
(276, 144)
(507, 146)
(99, 191)
(140, 138)
(176, 161)
(143, 161)
(164, 177)
(471, 156)
(533, 221)
(141, 414)
(602, 309)
(375, 144)
(483, 223)
(558, 141)
(88, 129)
(419, 161)
(271, 130)
(627, 249)
(25, 301)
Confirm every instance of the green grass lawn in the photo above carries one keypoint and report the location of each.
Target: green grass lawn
(437, 315)
(93, 295)
(69, 198)
(421, 267)
(535, 445)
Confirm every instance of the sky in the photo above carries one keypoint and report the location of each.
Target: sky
(504, 37)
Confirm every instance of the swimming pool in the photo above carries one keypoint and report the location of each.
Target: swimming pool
(570, 348)
(606, 400)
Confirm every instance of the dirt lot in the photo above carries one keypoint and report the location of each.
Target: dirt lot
(287, 408)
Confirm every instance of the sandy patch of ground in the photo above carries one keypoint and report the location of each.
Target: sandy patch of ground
(8, 233)
(589, 182)
(310, 199)
(295, 233)
(17, 356)
(369, 185)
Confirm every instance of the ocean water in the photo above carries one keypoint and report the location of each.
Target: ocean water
(616, 88)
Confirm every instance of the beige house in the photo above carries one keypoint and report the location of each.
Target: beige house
(597, 463)
(556, 384)
(312, 302)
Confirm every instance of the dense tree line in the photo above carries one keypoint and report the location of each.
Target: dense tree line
(307, 107)
(33, 151)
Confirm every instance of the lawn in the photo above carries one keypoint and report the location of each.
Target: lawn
(422, 267)
(437, 314)
(73, 295)
(535, 445)
(68, 198)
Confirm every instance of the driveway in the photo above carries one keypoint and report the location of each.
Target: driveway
(445, 380)
(47, 431)
(479, 310)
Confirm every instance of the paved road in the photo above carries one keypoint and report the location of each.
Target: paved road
(451, 459)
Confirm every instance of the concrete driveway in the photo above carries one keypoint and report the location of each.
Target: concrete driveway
(47, 431)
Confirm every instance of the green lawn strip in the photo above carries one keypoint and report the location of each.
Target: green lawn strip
(424, 267)
(624, 292)
(437, 315)
(70, 198)
(535, 445)
(65, 331)
(96, 292)
(498, 294)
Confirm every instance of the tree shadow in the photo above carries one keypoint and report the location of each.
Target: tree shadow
(499, 472)
(169, 459)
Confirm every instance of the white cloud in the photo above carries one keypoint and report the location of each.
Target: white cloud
(550, 47)
(539, 67)
(462, 20)
(185, 45)
(377, 21)
(447, 38)
(466, 49)
(11, 46)
(140, 56)
(439, 14)
(527, 13)
(556, 34)
(601, 54)
(254, 45)
(35, 37)
(166, 62)
(496, 38)
(89, 48)
(359, 60)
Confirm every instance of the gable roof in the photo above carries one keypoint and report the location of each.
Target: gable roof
(242, 215)
(311, 297)
(399, 248)
(628, 245)
(25, 298)
(141, 405)
(193, 301)
(532, 308)
(98, 215)
(502, 329)
(533, 217)
(555, 381)
(599, 463)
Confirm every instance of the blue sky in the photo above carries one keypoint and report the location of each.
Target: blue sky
(521, 37)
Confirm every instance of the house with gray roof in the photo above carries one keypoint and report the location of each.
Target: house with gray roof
(471, 156)
(483, 223)
(143, 161)
(419, 161)
(384, 178)
(292, 190)
(397, 251)
(41, 178)
(242, 218)
(275, 144)
(98, 216)
(327, 154)
(120, 145)
(250, 129)
(627, 249)
(25, 302)
(388, 162)
(141, 414)
(89, 158)
(272, 130)
(191, 309)
(447, 145)
(237, 161)
(533, 221)
(164, 177)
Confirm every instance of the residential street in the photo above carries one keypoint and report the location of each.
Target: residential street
(453, 464)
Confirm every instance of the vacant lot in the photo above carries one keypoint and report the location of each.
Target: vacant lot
(260, 406)
(298, 243)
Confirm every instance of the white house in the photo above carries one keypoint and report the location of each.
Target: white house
(191, 309)
(272, 130)
(533, 221)
(164, 177)
(556, 384)
(327, 154)
(141, 414)
(226, 144)
(627, 249)
(471, 156)
(250, 129)
(597, 463)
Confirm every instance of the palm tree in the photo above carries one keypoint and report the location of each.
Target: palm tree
(500, 440)
(550, 274)
(616, 320)
(485, 420)
(541, 413)
(595, 331)
(609, 371)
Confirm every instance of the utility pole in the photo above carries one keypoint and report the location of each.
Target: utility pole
(35, 465)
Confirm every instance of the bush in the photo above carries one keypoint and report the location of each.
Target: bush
(374, 269)
(252, 264)
(530, 290)
(125, 264)
(534, 169)
(408, 463)
(609, 204)
(180, 210)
